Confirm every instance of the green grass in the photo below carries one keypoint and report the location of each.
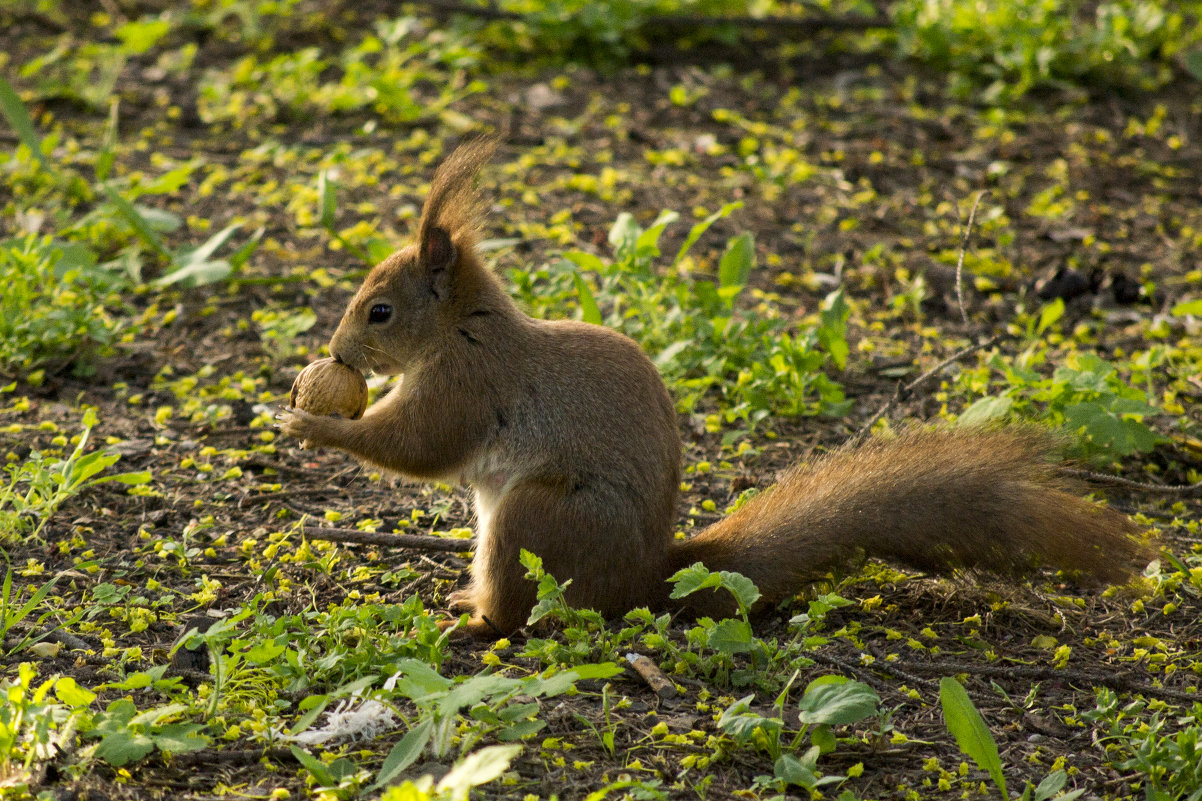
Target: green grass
(168, 219)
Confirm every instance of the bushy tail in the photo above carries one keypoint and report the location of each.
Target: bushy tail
(939, 500)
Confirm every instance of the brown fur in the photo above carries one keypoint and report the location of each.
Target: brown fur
(938, 500)
(568, 436)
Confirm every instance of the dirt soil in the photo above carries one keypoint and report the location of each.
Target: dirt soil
(897, 165)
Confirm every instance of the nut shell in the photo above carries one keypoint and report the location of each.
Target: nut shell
(329, 387)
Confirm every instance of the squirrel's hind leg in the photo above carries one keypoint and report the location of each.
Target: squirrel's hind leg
(584, 532)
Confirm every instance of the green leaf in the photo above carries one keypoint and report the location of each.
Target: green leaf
(117, 716)
(985, 410)
(1104, 427)
(695, 577)
(312, 706)
(313, 765)
(121, 747)
(1188, 306)
(823, 738)
(1052, 784)
(791, 770)
(170, 181)
(197, 267)
(91, 464)
(837, 701)
(159, 220)
(1193, 63)
(327, 194)
(600, 670)
(475, 690)
(71, 693)
(264, 652)
(196, 273)
(378, 249)
(18, 119)
(108, 147)
(730, 636)
(243, 254)
(180, 738)
(515, 712)
(419, 680)
(141, 35)
(740, 723)
(588, 304)
(29, 606)
(1049, 315)
(623, 234)
(832, 332)
(404, 753)
(735, 267)
(477, 768)
(214, 243)
(700, 228)
(488, 245)
(669, 354)
(136, 221)
(550, 686)
(132, 478)
(585, 261)
(151, 717)
(972, 735)
(75, 256)
(648, 241)
(520, 730)
(742, 588)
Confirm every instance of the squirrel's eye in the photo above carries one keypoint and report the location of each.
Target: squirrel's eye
(380, 313)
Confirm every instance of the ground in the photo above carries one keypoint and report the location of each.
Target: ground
(851, 170)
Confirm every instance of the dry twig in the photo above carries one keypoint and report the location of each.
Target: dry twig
(905, 390)
(421, 541)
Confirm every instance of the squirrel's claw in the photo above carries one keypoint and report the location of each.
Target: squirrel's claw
(297, 423)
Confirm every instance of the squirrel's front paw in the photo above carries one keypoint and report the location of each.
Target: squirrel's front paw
(309, 428)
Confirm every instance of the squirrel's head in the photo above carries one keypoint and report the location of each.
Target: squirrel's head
(415, 296)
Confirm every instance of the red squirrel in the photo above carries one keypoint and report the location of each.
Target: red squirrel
(568, 437)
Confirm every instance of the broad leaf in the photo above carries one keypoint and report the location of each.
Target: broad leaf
(735, 267)
(986, 410)
(477, 768)
(730, 636)
(972, 735)
(837, 701)
(404, 753)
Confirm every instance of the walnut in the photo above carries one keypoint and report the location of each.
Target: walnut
(329, 387)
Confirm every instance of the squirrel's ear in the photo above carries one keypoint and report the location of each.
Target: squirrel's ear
(437, 255)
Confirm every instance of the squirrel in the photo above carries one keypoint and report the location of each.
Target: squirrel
(567, 435)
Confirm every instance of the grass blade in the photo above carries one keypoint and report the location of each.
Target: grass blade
(108, 150)
(18, 119)
(137, 222)
(703, 226)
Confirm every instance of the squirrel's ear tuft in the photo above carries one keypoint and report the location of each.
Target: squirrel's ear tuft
(437, 254)
(453, 204)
